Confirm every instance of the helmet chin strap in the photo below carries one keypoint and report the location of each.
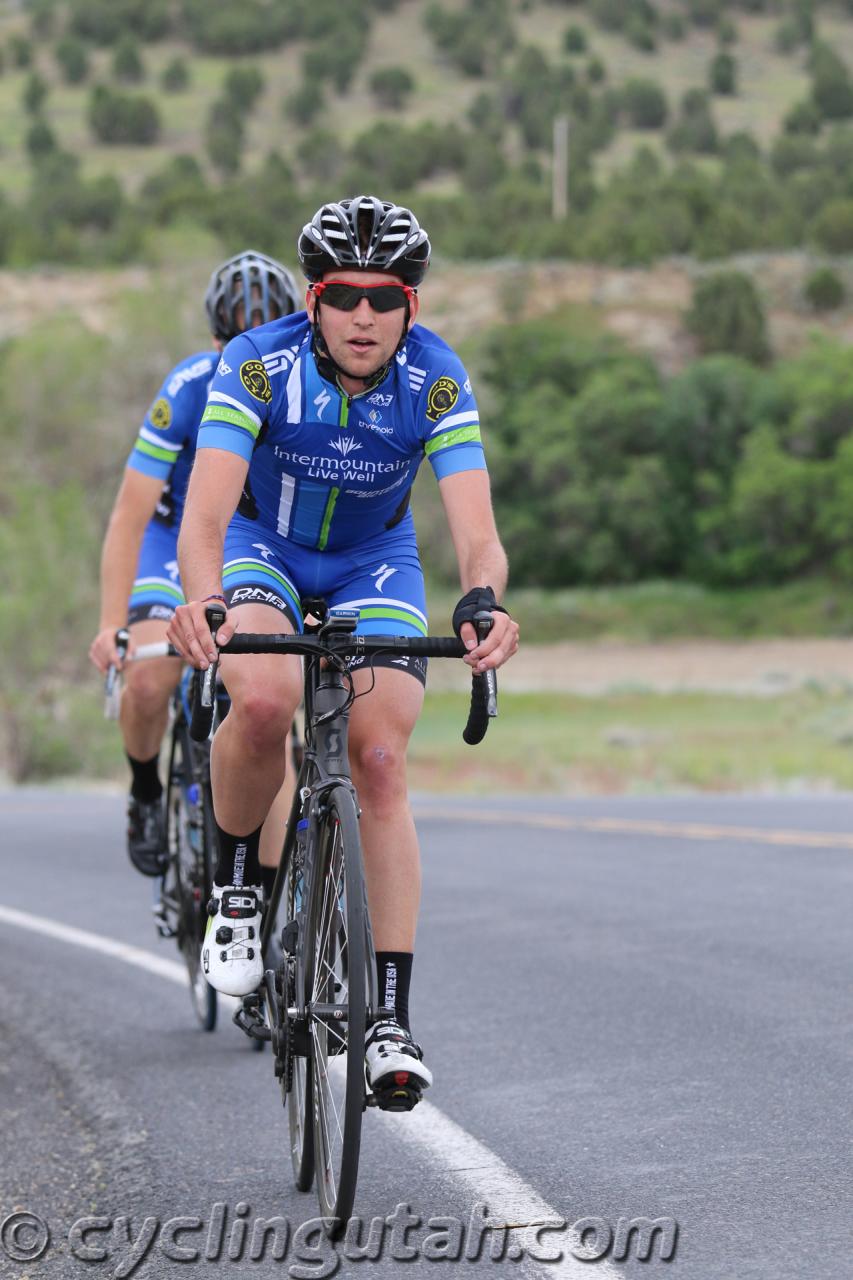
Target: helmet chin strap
(329, 367)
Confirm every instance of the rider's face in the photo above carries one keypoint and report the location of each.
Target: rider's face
(363, 340)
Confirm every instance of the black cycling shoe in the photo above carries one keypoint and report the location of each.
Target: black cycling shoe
(146, 836)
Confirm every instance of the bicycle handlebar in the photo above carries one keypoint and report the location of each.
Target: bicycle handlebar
(346, 645)
(112, 687)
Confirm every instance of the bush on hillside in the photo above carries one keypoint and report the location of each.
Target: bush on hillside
(832, 89)
(645, 102)
(722, 75)
(106, 21)
(175, 76)
(695, 129)
(833, 226)
(127, 64)
(726, 315)
(243, 86)
(121, 118)
(391, 86)
(41, 140)
(34, 93)
(825, 290)
(574, 39)
(73, 59)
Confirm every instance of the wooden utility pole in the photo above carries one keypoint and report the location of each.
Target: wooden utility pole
(560, 169)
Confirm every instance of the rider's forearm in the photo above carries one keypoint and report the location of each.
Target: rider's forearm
(200, 548)
(118, 567)
(484, 564)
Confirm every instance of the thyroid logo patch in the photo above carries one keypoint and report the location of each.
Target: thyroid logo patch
(161, 414)
(255, 379)
(443, 395)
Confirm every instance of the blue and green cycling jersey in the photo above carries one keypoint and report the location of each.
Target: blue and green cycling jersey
(166, 443)
(327, 470)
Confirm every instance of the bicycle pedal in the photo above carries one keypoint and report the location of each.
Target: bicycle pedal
(247, 1017)
(396, 1097)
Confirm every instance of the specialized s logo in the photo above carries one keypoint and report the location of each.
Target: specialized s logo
(161, 414)
(443, 395)
(255, 379)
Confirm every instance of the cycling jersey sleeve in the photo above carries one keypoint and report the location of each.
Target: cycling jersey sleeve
(169, 422)
(451, 422)
(238, 401)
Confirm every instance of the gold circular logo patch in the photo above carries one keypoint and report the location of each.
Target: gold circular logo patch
(255, 379)
(443, 395)
(161, 414)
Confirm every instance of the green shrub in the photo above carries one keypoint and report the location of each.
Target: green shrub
(726, 315)
(73, 59)
(645, 102)
(833, 226)
(34, 93)
(243, 87)
(175, 77)
(574, 39)
(127, 64)
(41, 140)
(596, 71)
(305, 104)
(695, 129)
(640, 34)
(391, 86)
(723, 74)
(832, 89)
(803, 117)
(122, 118)
(825, 290)
(22, 51)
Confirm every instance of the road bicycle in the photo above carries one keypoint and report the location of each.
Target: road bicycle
(181, 895)
(318, 997)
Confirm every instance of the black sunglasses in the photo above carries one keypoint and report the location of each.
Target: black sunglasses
(346, 297)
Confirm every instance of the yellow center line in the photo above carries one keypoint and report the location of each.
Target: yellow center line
(642, 827)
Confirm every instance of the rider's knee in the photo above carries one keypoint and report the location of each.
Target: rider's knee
(265, 717)
(380, 771)
(147, 689)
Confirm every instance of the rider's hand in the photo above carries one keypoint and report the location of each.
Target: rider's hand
(104, 652)
(501, 642)
(189, 633)
(499, 645)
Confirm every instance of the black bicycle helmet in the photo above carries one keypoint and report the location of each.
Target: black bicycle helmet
(276, 294)
(364, 233)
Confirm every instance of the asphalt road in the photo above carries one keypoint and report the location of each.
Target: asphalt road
(641, 1020)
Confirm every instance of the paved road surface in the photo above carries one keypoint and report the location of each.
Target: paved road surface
(632, 1008)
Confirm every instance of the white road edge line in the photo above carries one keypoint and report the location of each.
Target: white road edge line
(509, 1198)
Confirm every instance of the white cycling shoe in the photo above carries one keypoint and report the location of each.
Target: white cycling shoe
(231, 952)
(395, 1069)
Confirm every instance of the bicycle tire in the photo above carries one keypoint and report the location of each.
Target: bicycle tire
(190, 844)
(337, 975)
(296, 1084)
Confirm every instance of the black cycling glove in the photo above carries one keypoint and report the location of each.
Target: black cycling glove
(477, 599)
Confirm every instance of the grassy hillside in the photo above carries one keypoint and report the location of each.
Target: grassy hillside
(466, 131)
(770, 81)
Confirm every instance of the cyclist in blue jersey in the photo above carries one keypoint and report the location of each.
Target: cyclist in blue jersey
(140, 583)
(314, 429)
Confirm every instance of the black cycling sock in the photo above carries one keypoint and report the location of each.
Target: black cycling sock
(238, 863)
(146, 785)
(394, 970)
(268, 875)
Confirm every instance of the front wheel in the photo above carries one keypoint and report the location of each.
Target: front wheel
(190, 842)
(340, 984)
